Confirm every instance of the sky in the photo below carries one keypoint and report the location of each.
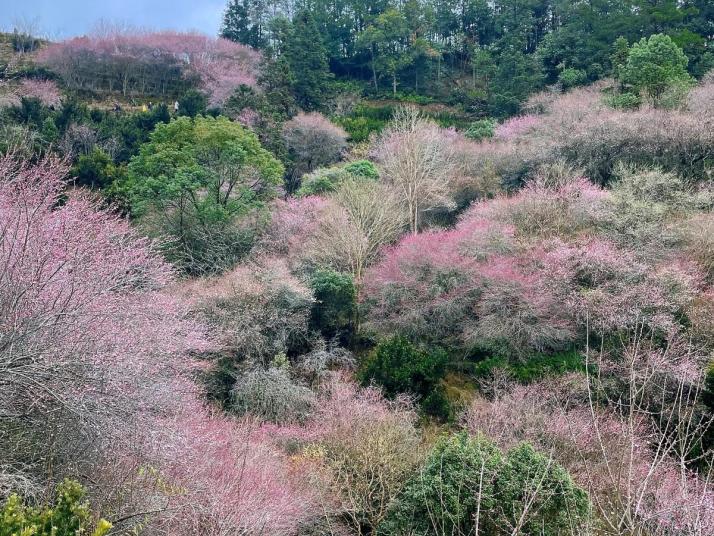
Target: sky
(66, 18)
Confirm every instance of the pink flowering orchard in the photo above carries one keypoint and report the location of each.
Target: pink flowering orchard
(224, 313)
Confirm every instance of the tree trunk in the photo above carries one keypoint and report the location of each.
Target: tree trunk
(374, 72)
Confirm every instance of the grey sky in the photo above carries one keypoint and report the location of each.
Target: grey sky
(64, 18)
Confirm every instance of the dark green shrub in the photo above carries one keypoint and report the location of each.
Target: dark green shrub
(436, 403)
(400, 367)
(360, 128)
(50, 132)
(362, 168)
(535, 367)
(482, 129)
(444, 497)
(365, 120)
(558, 507)
(335, 304)
(320, 181)
(95, 170)
(129, 131)
(467, 486)
(31, 111)
(73, 110)
(570, 78)
(192, 103)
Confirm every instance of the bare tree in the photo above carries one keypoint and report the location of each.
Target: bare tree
(365, 217)
(418, 161)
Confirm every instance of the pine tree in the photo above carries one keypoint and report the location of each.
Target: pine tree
(243, 23)
(278, 81)
(306, 54)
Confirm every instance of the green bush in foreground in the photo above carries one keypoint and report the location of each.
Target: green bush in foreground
(69, 516)
(468, 486)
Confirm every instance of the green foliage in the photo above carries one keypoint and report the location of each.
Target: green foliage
(411, 98)
(444, 497)
(30, 112)
(95, 170)
(481, 129)
(269, 108)
(516, 75)
(365, 120)
(623, 101)
(534, 368)
(335, 306)
(654, 65)
(129, 131)
(325, 180)
(399, 367)
(570, 78)
(69, 516)
(307, 57)
(243, 23)
(192, 103)
(191, 182)
(320, 181)
(618, 58)
(533, 482)
(484, 57)
(73, 110)
(50, 133)
(362, 168)
(467, 486)
(277, 81)
(360, 128)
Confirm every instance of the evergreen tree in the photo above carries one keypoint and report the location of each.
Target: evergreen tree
(306, 55)
(278, 82)
(243, 22)
(654, 65)
(618, 58)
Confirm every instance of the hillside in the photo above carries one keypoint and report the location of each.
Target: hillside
(341, 273)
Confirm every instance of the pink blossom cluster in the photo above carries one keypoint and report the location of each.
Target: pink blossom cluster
(228, 475)
(516, 127)
(45, 90)
(530, 268)
(116, 60)
(609, 289)
(89, 327)
(293, 221)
